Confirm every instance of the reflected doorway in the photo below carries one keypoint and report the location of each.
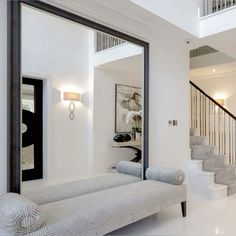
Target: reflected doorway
(32, 129)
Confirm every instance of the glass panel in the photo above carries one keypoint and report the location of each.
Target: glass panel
(28, 97)
(27, 105)
(28, 157)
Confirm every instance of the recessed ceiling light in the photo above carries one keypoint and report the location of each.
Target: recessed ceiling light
(188, 41)
(213, 70)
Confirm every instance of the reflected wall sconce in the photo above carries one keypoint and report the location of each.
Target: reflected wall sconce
(221, 102)
(72, 97)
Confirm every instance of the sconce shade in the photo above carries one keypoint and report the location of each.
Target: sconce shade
(221, 101)
(69, 96)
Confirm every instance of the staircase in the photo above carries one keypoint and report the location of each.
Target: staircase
(211, 170)
(208, 174)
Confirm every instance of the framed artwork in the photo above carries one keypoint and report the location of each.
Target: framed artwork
(128, 114)
(28, 104)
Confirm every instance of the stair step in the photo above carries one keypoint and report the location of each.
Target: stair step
(217, 161)
(226, 173)
(204, 156)
(194, 165)
(217, 187)
(231, 182)
(202, 182)
(217, 191)
(202, 150)
(197, 140)
(193, 132)
(207, 172)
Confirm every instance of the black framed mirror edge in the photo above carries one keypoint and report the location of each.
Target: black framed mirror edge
(14, 82)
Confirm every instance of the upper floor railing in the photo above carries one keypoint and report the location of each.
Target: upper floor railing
(213, 121)
(213, 6)
(106, 41)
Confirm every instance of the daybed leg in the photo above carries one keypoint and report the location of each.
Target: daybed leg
(184, 208)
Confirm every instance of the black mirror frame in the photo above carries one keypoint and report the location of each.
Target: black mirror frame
(14, 82)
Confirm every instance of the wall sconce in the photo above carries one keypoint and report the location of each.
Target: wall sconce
(221, 102)
(72, 97)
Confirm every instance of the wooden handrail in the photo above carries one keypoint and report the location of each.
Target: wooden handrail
(214, 101)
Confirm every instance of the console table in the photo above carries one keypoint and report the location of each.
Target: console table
(135, 145)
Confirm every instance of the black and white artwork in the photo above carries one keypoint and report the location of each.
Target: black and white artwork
(128, 109)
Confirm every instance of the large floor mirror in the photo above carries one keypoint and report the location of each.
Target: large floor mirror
(83, 95)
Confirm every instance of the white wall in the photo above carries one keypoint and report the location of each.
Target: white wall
(221, 87)
(58, 51)
(218, 22)
(169, 100)
(181, 13)
(3, 95)
(106, 156)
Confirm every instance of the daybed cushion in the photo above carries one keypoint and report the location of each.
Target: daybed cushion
(18, 215)
(130, 168)
(167, 175)
(105, 211)
(58, 192)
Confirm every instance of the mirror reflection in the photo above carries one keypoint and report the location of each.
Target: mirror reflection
(27, 108)
(82, 99)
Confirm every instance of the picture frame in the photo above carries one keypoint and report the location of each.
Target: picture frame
(128, 108)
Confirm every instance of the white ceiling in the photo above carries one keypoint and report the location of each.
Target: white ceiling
(211, 72)
(131, 65)
(224, 42)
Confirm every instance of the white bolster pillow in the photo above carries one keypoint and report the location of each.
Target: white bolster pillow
(167, 175)
(18, 215)
(130, 168)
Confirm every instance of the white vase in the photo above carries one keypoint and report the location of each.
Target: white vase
(137, 136)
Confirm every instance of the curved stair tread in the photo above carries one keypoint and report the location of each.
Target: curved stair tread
(202, 146)
(219, 169)
(197, 140)
(205, 173)
(216, 187)
(229, 181)
(194, 161)
(205, 156)
(215, 162)
(212, 167)
(215, 156)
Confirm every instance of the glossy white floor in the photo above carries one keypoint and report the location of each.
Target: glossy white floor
(204, 218)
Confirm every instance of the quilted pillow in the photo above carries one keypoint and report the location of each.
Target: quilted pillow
(18, 215)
